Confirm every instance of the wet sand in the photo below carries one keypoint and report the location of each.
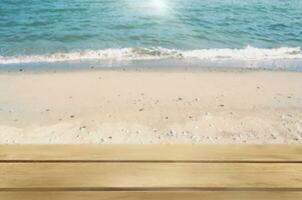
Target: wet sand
(103, 106)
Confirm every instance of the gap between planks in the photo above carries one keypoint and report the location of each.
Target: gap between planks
(150, 161)
(151, 189)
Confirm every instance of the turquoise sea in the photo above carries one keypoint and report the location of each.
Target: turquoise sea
(228, 33)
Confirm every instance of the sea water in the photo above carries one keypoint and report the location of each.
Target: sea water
(228, 33)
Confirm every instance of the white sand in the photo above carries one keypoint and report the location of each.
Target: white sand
(151, 107)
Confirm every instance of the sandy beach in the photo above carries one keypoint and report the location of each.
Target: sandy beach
(141, 107)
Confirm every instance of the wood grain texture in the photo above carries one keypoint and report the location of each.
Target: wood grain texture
(148, 175)
(135, 172)
(202, 153)
(151, 195)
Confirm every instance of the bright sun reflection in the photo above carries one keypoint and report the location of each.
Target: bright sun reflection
(159, 6)
(151, 7)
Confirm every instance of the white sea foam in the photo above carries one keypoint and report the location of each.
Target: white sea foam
(128, 54)
(249, 53)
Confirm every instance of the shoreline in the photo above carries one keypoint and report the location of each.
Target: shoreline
(168, 64)
(19, 70)
(151, 106)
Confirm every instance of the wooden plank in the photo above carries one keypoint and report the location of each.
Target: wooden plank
(150, 195)
(199, 153)
(151, 175)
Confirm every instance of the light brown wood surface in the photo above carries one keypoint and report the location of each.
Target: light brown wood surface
(135, 172)
(148, 175)
(217, 195)
(263, 153)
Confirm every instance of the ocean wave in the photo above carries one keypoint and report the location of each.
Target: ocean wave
(127, 54)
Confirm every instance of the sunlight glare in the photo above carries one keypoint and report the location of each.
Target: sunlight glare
(159, 6)
(162, 8)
